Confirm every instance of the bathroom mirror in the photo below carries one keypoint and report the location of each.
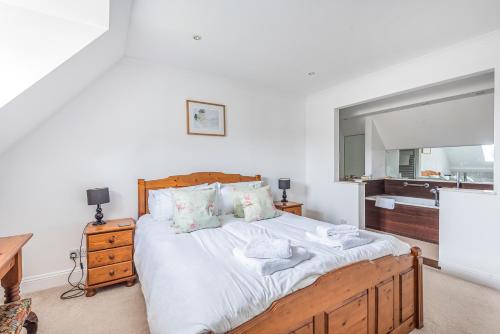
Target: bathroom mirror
(469, 163)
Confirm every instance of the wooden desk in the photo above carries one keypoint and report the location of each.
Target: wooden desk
(11, 266)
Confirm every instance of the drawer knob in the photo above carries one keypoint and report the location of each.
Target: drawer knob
(112, 272)
(111, 240)
(111, 256)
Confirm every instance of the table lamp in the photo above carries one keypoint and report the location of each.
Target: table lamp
(284, 184)
(97, 197)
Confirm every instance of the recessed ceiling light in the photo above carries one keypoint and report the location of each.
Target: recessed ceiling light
(196, 37)
(311, 73)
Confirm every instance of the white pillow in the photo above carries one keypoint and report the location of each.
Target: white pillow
(226, 194)
(161, 204)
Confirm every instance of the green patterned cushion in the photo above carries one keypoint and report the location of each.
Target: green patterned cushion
(226, 194)
(243, 188)
(194, 210)
(12, 316)
(255, 204)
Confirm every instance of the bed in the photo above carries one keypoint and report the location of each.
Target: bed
(192, 284)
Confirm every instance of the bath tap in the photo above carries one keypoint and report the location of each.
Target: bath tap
(435, 192)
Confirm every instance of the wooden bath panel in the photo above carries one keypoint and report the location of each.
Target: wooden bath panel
(410, 221)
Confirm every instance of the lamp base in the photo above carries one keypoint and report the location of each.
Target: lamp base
(99, 216)
(284, 200)
(96, 223)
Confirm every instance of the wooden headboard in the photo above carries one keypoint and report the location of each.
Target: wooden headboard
(185, 181)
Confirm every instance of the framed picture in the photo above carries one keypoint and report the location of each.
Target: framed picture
(204, 118)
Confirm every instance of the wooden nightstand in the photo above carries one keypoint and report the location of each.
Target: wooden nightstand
(292, 207)
(110, 250)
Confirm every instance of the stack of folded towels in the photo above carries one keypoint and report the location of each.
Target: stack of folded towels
(341, 237)
(269, 255)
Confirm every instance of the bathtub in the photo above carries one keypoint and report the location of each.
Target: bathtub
(423, 202)
(412, 217)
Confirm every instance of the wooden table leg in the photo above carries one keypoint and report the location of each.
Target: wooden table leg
(11, 280)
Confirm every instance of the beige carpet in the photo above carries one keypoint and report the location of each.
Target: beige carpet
(451, 306)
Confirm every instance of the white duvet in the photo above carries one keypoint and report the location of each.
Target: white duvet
(193, 284)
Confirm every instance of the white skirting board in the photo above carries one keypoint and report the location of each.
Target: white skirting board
(49, 280)
(472, 275)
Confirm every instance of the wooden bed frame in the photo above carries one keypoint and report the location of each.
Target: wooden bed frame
(380, 296)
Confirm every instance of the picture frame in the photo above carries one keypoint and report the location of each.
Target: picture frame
(205, 118)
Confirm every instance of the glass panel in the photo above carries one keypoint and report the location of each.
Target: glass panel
(467, 163)
(354, 156)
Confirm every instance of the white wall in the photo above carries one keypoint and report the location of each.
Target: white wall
(464, 59)
(468, 239)
(130, 124)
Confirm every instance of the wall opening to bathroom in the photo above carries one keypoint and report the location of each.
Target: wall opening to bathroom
(418, 145)
(444, 132)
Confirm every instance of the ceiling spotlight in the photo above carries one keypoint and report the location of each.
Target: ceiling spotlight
(196, 37)
(311, 73)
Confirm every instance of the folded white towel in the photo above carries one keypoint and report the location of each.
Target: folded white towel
(268, 248)
(269, 266)
(341, 243)
(332, 230)
(385, 203)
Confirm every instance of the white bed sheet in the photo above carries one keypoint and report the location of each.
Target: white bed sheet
(193, 284)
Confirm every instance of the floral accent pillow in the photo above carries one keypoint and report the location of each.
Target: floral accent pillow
(226, 194)
(160, 202)
(194, 210)
(255, 204)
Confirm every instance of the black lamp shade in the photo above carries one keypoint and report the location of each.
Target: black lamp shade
(97, 196)
(284, 183)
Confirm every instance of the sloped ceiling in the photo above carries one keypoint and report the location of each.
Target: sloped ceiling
(93, 12)
(276, 43)
(467, 121)
(46, 96)
(33, 43)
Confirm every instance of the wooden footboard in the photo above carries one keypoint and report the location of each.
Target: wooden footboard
(381, 296)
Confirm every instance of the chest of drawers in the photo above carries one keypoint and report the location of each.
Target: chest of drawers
(110, 251)
(292, 207)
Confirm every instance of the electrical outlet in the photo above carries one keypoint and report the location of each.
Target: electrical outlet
(74, 253)
(343, 221)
